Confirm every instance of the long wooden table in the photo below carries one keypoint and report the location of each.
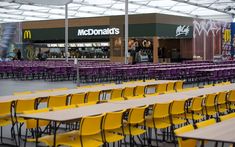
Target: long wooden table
(82, 90)
(77, 113)
(219, 132)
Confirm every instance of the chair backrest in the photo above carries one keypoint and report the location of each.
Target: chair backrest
(161, 110)
(128, 92)
(137, 115)
(24, 105)
(116, 93)
(210, 100)
(187, 142)
(205, 123)
(177, 107)
(139, 91)
(179, 85)
(231, 96)
(78, 98)
(22, 93)
(112, 120)
(57, 101)
(221, 98)
(161, 88)
(170, 87)
(91, 125)
(93, 96)
(226, 117)
(197, 104)
(5, 108)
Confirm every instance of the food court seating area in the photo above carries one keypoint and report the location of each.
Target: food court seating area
(132, 115)
(106, 71)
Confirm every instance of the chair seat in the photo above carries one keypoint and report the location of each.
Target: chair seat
(157, 123)
(49, 139)
(209, 111)
(5, 122)
(178, 121)
(86, 142)
(130, 131)
(194, 116)
(109, 137)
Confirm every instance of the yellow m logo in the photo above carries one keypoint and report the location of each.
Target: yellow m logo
(227, 35)
(27, 34)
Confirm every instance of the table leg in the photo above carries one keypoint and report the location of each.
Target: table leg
(203, 142)
(37, 131)
(54, 126)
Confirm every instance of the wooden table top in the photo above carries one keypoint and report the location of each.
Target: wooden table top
(82, 90)
(76, 113)
(222, 132)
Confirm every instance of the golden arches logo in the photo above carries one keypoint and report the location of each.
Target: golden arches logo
(27, 34)
(227, 35)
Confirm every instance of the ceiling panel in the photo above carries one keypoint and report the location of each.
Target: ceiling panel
(44, 10)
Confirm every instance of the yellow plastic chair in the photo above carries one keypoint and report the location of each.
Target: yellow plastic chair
(31, 124)
(111, 122)
(194, 112)
(205, 123)
(57, 101)
(89, 127)
(210, 105)
(159, 119)
(22, 106)
(179, 85)
(5, 116)
(170, 87)
(128, 93)
(185, 142)
(78, 98)
(116, 95)
(161, 88)
(139, 91)
(231, 100)
(177, 112)
(221, 102)
(226, 117)
(135, 118)
(22, 93)
(226, 83)
(92, 97)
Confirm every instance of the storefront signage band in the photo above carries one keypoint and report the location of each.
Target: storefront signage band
(98, 32)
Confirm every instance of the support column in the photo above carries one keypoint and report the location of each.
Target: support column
(126, 31)
(155, 49)
(66, 32)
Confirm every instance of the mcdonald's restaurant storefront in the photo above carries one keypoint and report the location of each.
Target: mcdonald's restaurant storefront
(152, 36)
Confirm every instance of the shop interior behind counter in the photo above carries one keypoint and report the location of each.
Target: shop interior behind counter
(75, 50)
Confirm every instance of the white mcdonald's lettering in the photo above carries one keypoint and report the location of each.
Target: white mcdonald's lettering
(96, 32)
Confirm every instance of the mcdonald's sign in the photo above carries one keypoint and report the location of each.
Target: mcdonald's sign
(227, 35)
(27, 34)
